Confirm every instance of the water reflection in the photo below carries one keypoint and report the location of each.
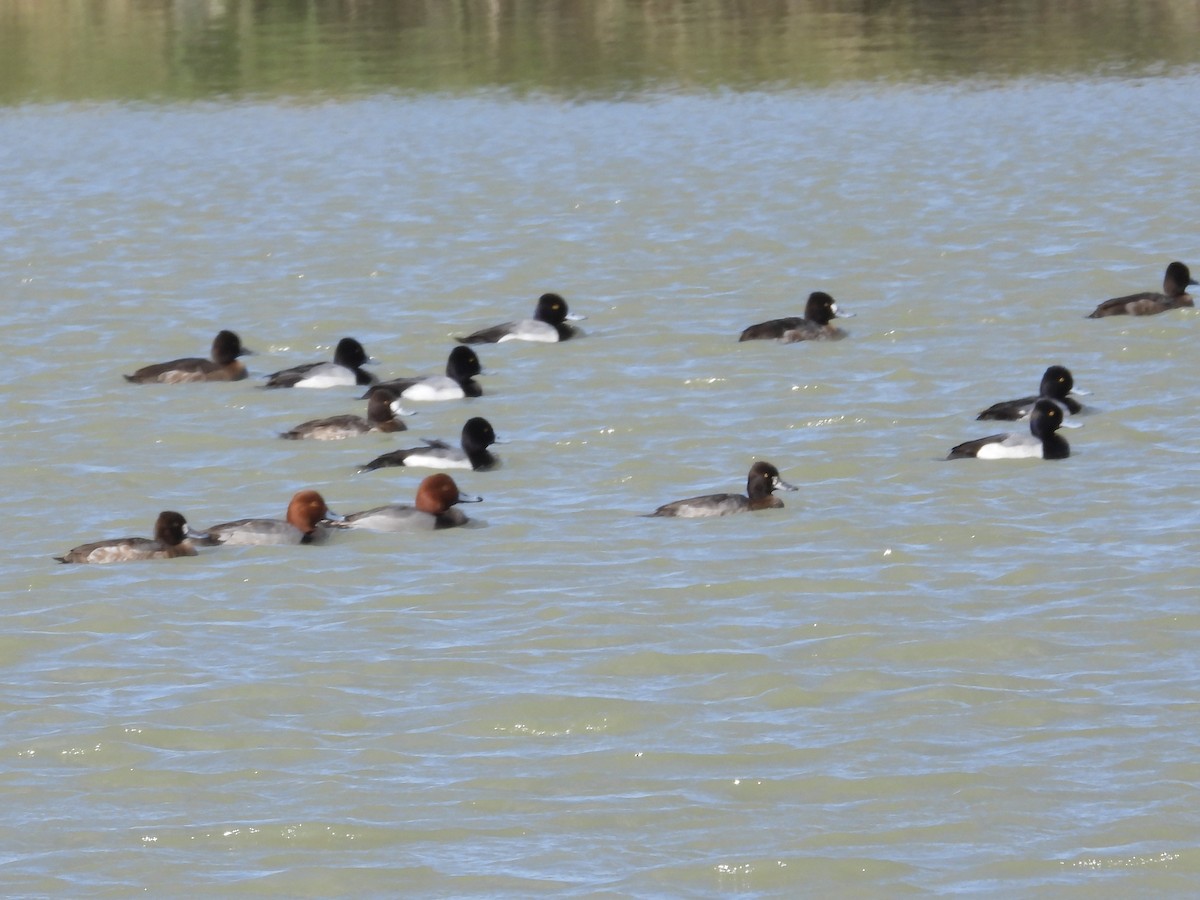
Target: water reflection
(119, 49)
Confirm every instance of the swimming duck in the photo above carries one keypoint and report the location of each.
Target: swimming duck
(346, 369)
(1057, 384)
(172, 538)
(548, 325)
(437, 497)
(814, 325)
(383, 408)
(477, 436)
(760, 483)
(304, 524)
(462, 365)
(1174, 296)
(224, 365)
(1041, 442)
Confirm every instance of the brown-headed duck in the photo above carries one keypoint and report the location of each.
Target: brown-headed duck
(435, 508)
(172, 538)
(224, 365)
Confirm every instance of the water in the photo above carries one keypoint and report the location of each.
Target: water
(919, 677)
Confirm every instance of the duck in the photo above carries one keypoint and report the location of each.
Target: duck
(1057, 385)
(477, 436)
(383, 410)
(462, 365)
(1042, 441)
(548, 325)
(223, 366)
(815, 325)
(437, 497)
(346, 369)
(761, 482)
(305, 523)
(172, 538)
(1174, 296)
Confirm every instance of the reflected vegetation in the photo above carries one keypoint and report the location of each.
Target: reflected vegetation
(54, 50)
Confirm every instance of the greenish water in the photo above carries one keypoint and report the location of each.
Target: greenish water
(188, 49)
(918, 678)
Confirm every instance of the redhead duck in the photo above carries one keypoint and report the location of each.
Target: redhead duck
(434, 508)
(306, 514)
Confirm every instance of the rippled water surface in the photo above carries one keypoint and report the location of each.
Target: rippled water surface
(919, 677)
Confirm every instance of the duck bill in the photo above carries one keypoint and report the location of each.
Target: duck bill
(839, 313)
(332, 517)
(1071, 424)
(469, 498)
(190, 532)
(781, 485)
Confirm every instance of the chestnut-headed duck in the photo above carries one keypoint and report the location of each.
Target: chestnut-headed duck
(304, 524)
(435, 507)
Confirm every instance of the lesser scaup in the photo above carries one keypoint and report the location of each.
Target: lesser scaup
(1174, 296)
(434, 509)
(477, 436)
(1057, 384)
(224, 365)
(462, 365)
(814, 325)
(548, 325)
(171, 539)
(762, 481)
(346, 369)
(383, 408)
(1042, 441)
(303, 525)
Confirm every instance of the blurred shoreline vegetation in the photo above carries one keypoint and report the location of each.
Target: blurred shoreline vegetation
(74, 50)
